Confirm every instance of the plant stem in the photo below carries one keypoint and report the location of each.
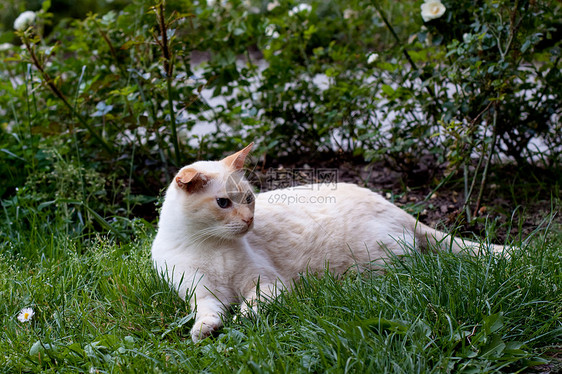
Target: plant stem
(112, 50)
(173, 121)
(472, 184)
(53, 87)
(488, 162)
(29, 122)
(160, 141)
(168, 69)
(404, 51)
(468, 192)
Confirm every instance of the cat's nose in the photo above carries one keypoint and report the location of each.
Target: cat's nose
(248, 221)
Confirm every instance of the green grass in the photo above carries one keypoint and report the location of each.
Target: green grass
(100, 307)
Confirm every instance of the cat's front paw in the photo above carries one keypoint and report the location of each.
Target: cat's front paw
(204, 327)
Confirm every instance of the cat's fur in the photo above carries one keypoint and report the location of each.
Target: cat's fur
(217, 256)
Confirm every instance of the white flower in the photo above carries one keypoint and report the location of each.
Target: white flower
(271, 32)
(300, 9)
(6, 46)
(248, 5)
(432, 9)
(26, 314)
(372, 57)
(274, 4)
(349, 13)
(24, 20)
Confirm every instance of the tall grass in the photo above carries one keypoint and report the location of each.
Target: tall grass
(100, 307)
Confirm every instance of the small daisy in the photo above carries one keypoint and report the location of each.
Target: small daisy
(26, 314)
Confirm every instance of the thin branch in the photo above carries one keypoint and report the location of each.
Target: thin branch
(58, 93)
(163, 42)
(404, 51)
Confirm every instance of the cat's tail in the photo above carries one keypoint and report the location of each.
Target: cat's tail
(429, 239)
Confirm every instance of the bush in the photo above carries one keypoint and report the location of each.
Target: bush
(119, 98)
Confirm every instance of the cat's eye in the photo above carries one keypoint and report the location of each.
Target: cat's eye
(249, 198)
(223, 202)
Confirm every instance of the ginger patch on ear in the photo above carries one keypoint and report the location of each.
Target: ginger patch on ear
(191, 180)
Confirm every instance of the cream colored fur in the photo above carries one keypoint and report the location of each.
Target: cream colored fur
(217, 256)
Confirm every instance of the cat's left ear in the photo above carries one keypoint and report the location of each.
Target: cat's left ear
(237, 160)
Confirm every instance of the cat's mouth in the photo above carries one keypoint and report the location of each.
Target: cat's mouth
(242, 228)
(232, 231)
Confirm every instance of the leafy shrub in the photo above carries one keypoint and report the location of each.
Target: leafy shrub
(120, 96)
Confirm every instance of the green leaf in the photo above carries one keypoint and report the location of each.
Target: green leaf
(494, 348)
(11, 154)
(389, 91)
(525, 46)
(397, 326)
(178, 324)
(311, 30)
(493, 323)
(331, 72)
(36, 348)
(46, 5)
(45, 204)
(76, 349)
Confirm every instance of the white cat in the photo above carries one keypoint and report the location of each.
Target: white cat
(218, 245)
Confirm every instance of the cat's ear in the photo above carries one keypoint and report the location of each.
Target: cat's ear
(237, 160)
(191, 180)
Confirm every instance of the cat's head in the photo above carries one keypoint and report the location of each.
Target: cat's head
(217, 200)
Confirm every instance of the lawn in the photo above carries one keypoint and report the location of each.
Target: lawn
(100, 307)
